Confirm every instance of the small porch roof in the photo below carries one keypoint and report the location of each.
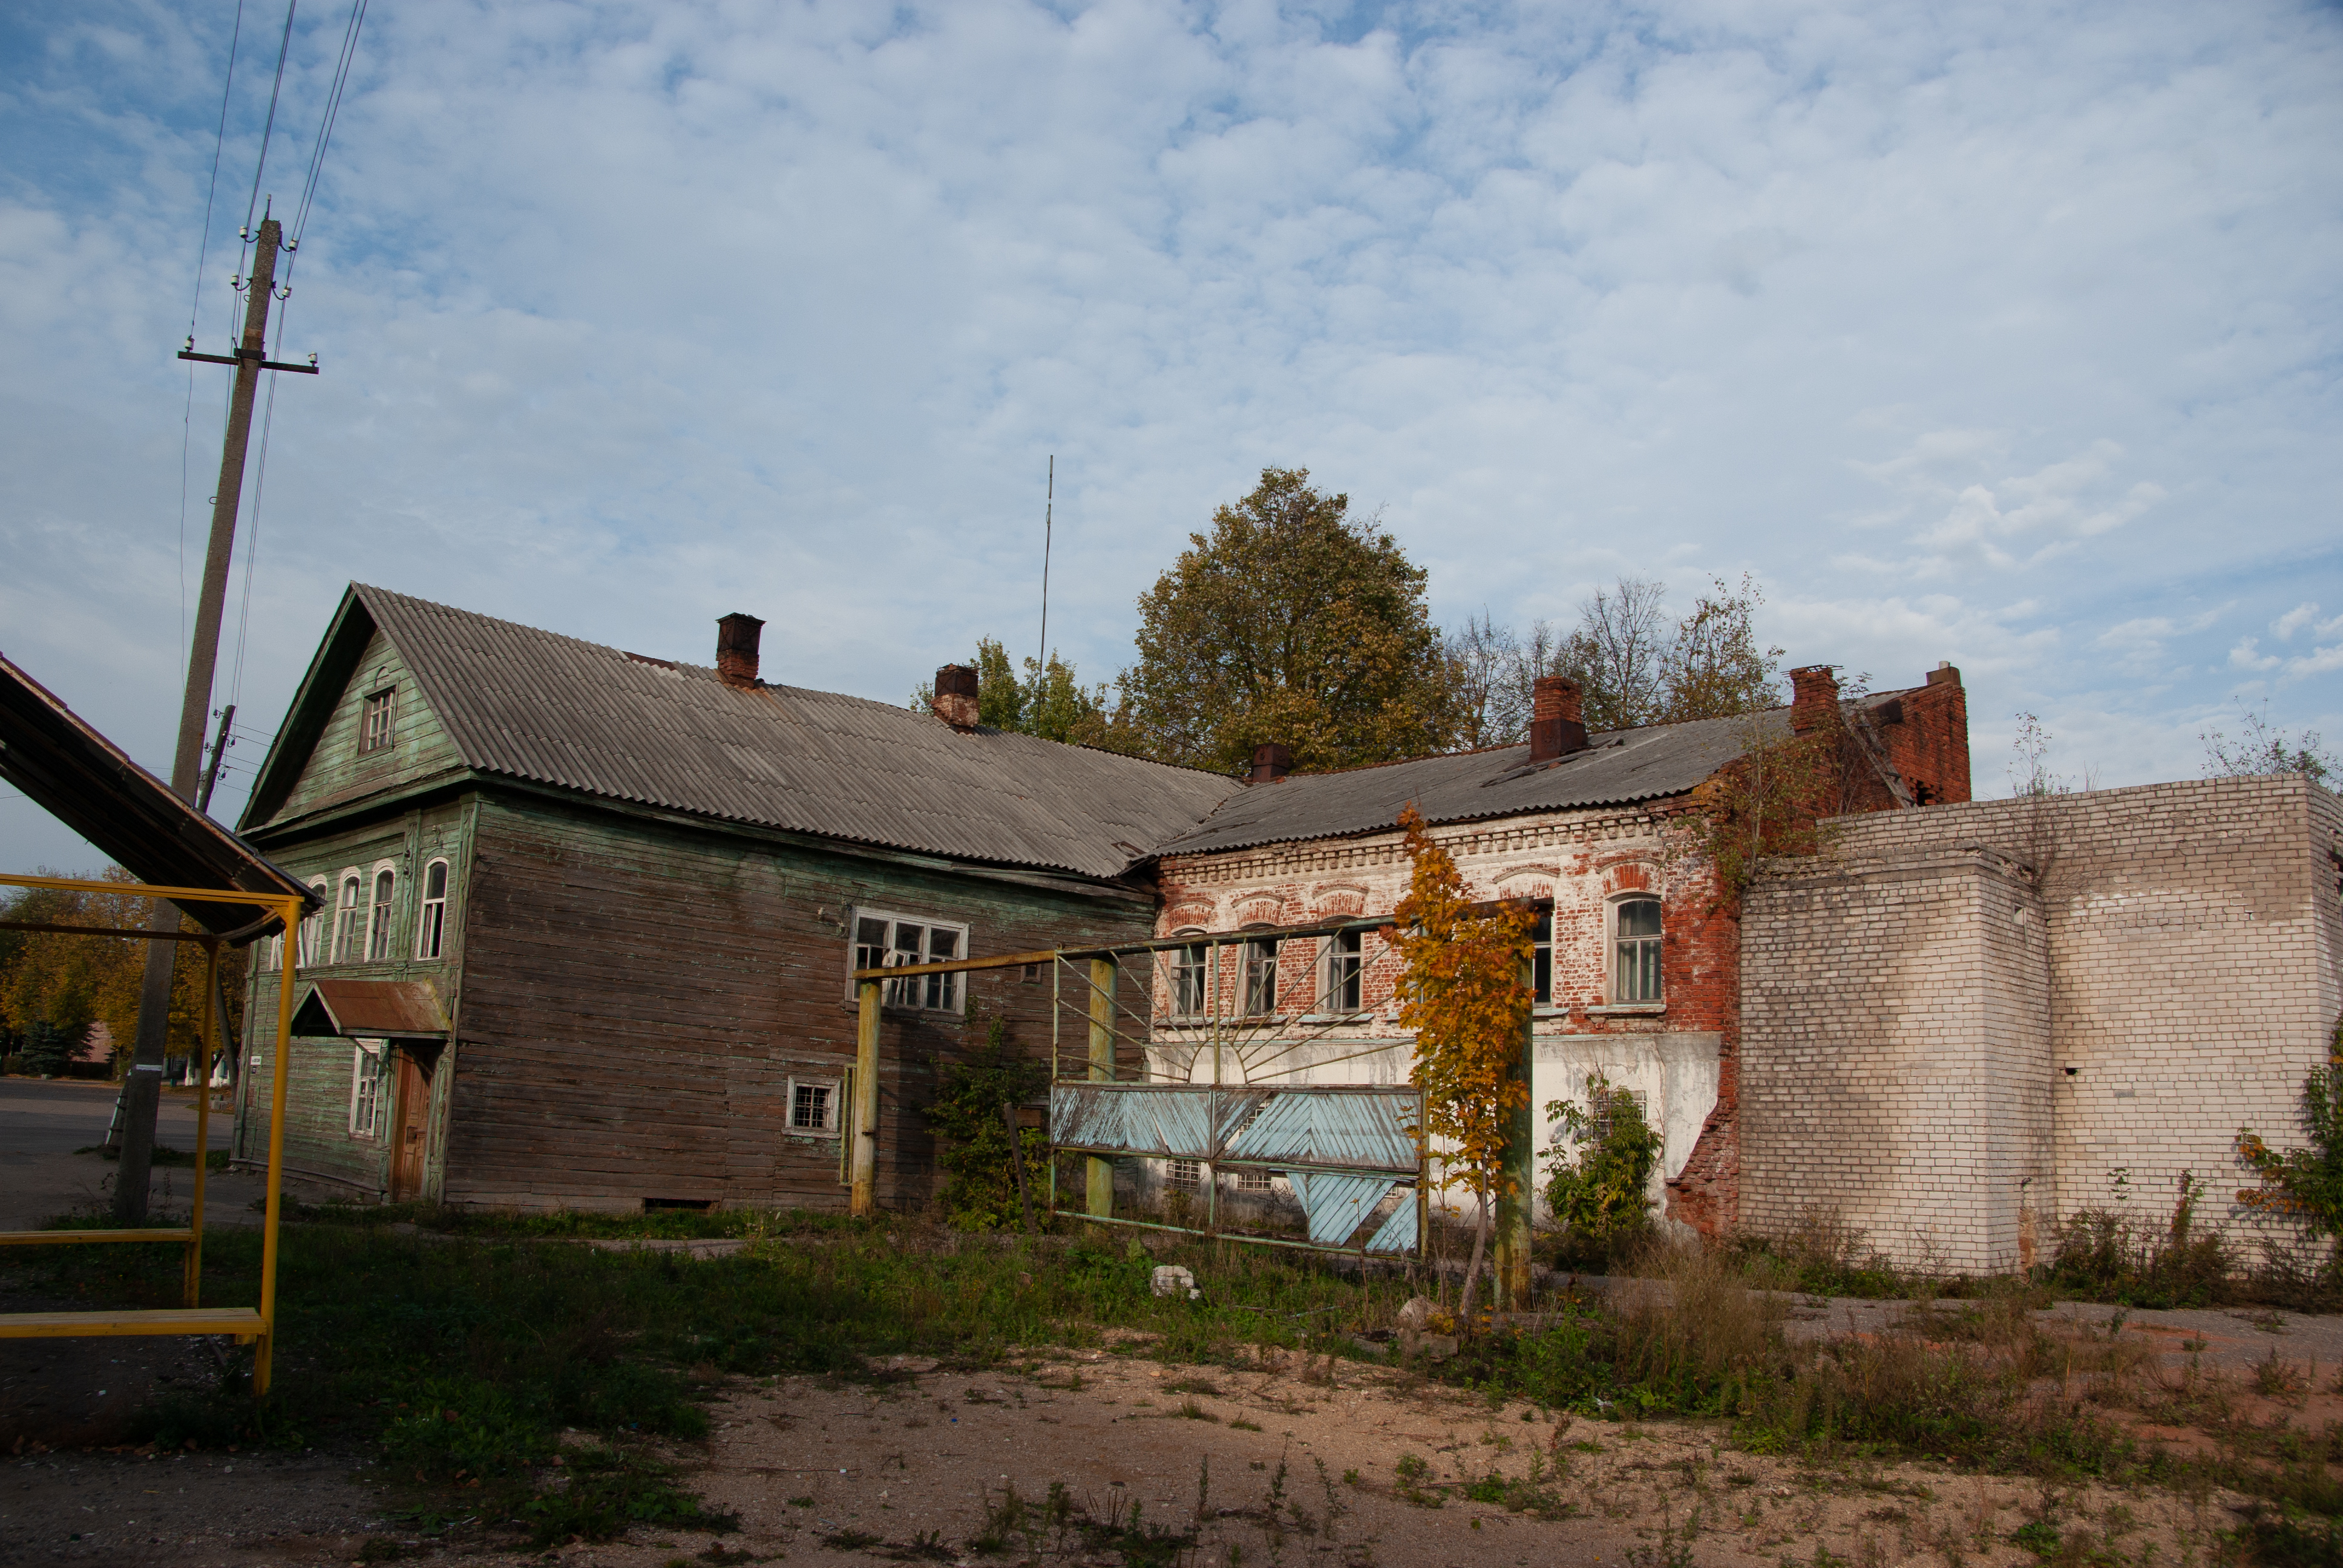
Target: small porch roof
(407, 1010)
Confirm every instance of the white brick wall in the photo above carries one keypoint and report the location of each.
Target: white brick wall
(1917, 1055)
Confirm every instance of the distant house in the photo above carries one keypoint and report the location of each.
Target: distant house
(1638, 970)
(590, 915)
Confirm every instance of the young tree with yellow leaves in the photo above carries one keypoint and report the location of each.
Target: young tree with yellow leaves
(1464, 992)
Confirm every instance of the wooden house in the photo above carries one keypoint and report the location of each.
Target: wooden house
(589, 915)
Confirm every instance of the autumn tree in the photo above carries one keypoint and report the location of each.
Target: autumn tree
(1466, 999)
(62, 984)
(1289, 621)
(1633, 666)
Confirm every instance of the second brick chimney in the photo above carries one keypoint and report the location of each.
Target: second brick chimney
(955, 699)
(1557, 718)
(736, 649)
(1815, 699)
(1271, 762)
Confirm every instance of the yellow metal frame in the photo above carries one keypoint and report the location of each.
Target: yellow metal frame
(257, 1326)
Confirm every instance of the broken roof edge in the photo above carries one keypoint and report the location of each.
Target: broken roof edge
(1576, 808)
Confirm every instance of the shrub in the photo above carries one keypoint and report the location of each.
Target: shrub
(1600, 1193)
(2100, 1253)
(979, 1191)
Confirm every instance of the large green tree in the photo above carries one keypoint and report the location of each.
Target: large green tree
(1289, 621)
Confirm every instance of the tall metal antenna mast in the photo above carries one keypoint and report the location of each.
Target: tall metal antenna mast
(1049, 511)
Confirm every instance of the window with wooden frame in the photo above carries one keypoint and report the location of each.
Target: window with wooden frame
(1346, 968)
(1605, 1113)
(1188, 970)
(349, 920)
(814, 1107)
(1541, 956)
(386, 890)
(312, 926)
(883, 941)
(1185, 1175)
(1260, 976)
(431, 914)
(1250, 1180)
(377, 720)
(369, 1087)
(1636, 950)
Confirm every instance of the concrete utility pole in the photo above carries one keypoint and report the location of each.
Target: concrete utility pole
(142, 1086)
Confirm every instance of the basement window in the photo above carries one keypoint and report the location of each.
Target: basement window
(883, 941)
(378, 720)
(813, 1107)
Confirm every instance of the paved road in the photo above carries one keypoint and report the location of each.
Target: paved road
(43, 1121)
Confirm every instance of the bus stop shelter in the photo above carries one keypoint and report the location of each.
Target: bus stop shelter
(232, 895)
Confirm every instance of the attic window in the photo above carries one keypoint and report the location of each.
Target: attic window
(379, 721)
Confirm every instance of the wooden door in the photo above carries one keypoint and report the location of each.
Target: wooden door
(414, 1121)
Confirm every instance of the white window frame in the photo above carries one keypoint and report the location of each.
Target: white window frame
(1184, 1175)
(431, 913)
(1257, 955)
(369, 1088)
(1249, 1180)
(382, 911)
(312, 926)
(929, 993)
(348, 916)
(1329, 978)
(383, 700)
(1615, 946)
(1200, 950)
(834, 1107)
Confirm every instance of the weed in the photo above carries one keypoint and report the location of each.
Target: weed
(1191, 1410)
(609, 1492)
(852, 1540)
(1242, 1426)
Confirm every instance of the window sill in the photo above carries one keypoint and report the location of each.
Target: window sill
(1363, 1015)
(1629, 1010)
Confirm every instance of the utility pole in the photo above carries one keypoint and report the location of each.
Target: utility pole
(142, 1086)
(220, 750)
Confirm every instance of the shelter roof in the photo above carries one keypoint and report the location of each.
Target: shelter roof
(556, 710)
(92, 786)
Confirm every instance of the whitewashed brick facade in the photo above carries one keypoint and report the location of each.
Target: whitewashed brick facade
(1975, 1020)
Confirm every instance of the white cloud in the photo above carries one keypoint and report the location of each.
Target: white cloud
(1990, 337)
(2247, 654)
(2294, 620)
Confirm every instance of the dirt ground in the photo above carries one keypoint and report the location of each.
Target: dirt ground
(1284, 1460)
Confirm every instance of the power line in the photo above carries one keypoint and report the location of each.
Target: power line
(195, 307)
(284, 45)
(325, 128)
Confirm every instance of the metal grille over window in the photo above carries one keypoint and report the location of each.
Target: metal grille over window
(1259, 977)
(431, 916)
(350, 927)
(380, 720)
(1345, 964)
(1635, 969)
(378, 927)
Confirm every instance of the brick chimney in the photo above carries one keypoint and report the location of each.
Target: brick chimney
(1944, 674)
(955, 699)
(1271, 762)
(736, 649)
(1816, 698)
(1557, 718)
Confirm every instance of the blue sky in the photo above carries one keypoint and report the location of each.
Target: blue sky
(2005, 333)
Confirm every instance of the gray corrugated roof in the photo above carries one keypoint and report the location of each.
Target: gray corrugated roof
(1618, 768)
(534, 705)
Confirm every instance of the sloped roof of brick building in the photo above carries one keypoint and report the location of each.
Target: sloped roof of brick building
(536, 706)
(1617, 768)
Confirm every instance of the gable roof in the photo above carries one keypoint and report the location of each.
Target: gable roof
(1617, 768)
(533, 705)
(90, 784)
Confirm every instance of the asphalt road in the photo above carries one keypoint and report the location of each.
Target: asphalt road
(58, 1116)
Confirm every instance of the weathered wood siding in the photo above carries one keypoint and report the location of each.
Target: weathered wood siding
(318, 1143)
(637, 995)
(337, 774)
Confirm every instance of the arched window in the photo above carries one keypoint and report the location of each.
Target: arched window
(349, 920)
(1346, 965)
(1188, 970)
(1636, 950)
(431, 918)
(385, 883)
(1260, 977)
(313, 925)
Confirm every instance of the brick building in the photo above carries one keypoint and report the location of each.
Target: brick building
(1970, 1023)
(1638, 960)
